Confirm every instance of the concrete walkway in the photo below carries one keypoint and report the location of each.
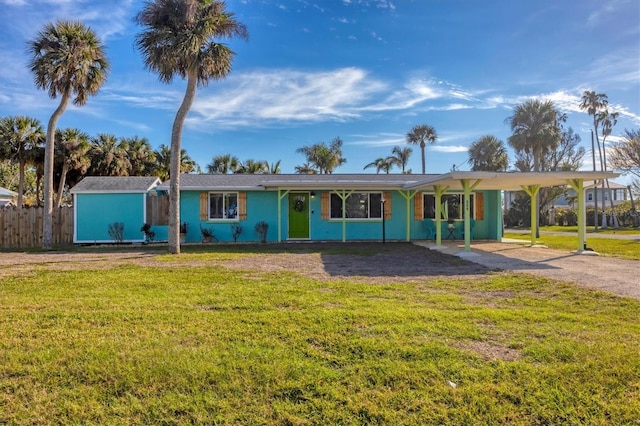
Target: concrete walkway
(615, 276)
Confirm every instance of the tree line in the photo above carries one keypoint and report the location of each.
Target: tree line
(76, 154)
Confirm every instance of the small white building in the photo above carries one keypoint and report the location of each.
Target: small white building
(7, 197)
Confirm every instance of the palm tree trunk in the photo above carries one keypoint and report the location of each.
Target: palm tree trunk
(423, 162)
(174, 173)
(63, 177)
(21, 183)
(49, 150)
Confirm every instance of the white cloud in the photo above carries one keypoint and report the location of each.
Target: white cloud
(448, 148)
(286, 95)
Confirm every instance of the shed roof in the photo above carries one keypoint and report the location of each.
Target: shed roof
(452, 180)
(6, 193)
(99, 184)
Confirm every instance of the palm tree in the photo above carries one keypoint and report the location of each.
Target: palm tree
(67, 60)
(72, 148)
(163, 160)
(595, 104)
(223, 164)
(274, 168)
(109, 156)
(253, 167)
(141, 156)
(536, 132)
(420, 135)
(324, 158)
(306, 169)
(488, 154)
(178, 39)
(381, 164)
(535, 128)
(400, 157)
(20, 136)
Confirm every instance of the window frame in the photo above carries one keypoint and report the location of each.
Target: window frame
(333, 196)
(460, 195)
(225, 198)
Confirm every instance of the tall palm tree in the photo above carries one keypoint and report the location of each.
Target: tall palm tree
(19, 137)
(324, 158)
(72, 148)
(595, 104)
(179, 39)
(400, 157)
(141, 156)
(109, 156)
(67, 60)
(488, 154)
(223, 164)
(420, 135)
(381, 165)
(536, 131)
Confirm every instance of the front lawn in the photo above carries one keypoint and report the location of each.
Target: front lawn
(180, 341)
(625, 249)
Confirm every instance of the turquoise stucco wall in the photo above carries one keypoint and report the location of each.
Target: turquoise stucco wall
(95, 212)
(263, 206)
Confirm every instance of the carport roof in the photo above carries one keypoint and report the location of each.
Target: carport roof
(510, 181)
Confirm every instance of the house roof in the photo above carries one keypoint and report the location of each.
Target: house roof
(612, 185)
(200, 182)
(452, 180)
(6, 193)
(99, 184)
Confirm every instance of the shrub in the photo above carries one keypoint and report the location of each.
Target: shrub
(261, 229)
(116, 231)
(236, 230)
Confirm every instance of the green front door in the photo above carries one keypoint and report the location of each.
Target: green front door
(298, 215)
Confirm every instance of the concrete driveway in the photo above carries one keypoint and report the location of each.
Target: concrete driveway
(616, 276)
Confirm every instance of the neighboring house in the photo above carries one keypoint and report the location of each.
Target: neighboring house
(7, 197)
(615, 192)
(100, 201)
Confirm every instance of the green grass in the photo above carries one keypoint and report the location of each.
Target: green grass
(625, 249)
(205, 345)
(590, 229)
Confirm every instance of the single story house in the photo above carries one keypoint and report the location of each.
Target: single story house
(7, 197)
(328, 207)
(612, 193)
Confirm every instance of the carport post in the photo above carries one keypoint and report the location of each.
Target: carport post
(467, 211)
(439, 190)
(578, 186)
(281, 196)
(532, 190)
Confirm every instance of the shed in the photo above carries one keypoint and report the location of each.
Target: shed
(104, 205)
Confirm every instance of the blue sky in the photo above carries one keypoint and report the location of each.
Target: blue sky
(364, 70)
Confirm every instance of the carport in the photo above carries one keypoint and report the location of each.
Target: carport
(530, 182)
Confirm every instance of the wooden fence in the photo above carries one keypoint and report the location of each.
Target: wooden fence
(22, 227)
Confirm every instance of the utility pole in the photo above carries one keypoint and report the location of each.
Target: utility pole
(595, 186)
